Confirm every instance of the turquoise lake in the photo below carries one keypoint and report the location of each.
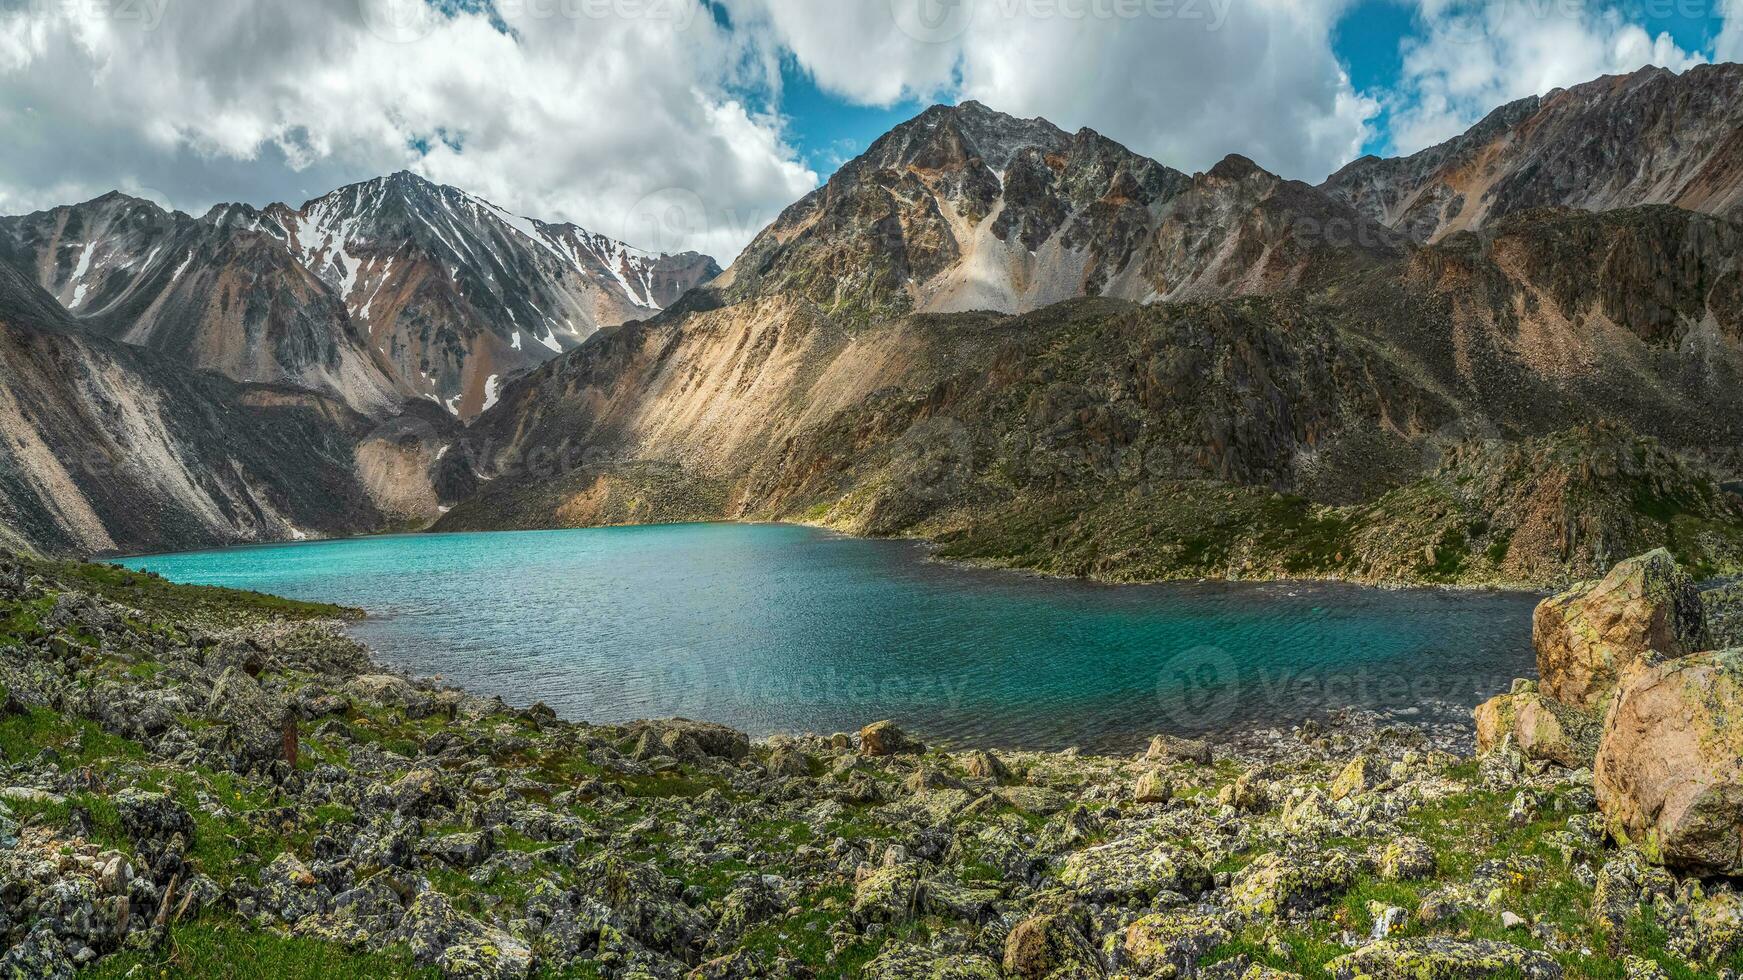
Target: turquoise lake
(774, 628)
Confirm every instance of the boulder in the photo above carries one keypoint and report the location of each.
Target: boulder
(699, 739)
(981, 764)
(290, 891)
(1051, 947)
(1172, 943)
(255, 719)
(882, 738)
(1443, 959)
(903, 961)
(1288, 885)
(1406, 859)
(1153, 787)
(1172, 748)
(1542, 729)
(1669, 777)
(1587, 636)
(441, 936)
(1363, 774)
(1139, 866)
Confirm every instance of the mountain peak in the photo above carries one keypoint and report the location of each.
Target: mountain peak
(944, 135)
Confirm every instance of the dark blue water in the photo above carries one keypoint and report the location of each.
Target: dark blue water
(777, 628)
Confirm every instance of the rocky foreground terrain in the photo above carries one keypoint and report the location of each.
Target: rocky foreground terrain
(196, 782)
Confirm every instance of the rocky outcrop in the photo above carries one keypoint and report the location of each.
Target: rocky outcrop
(1670, 767)
(1587, 637)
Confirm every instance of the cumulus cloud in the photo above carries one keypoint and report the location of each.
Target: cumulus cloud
(1475, 55)
(1729, 46)
(1185, 81)
(582, 110)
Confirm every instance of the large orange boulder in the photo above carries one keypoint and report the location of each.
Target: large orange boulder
(1669, 775)
(1587, 637)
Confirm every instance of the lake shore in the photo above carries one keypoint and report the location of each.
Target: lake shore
(206, 777)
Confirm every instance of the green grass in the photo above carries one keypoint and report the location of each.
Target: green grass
(218, 950)
(144, 590)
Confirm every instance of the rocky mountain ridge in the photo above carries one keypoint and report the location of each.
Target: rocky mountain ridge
(381, 291)
(964, 208)
(1650, 137)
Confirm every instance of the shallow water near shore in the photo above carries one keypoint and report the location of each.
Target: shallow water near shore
(777, 628)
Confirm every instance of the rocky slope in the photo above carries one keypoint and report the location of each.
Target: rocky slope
(112, 448)
(391, 289)
(191, 779)
(964, 208)
(1652, 137)
(1467, 413)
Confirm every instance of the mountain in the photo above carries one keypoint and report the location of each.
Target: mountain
(1652, 137)
(1521, 403)
(113, 448)
(965, 208)
(382, 291)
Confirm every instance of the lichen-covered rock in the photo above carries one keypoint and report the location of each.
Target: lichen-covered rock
(888, 894)
(1291, 885)
(1153, 787)
(440, 936)
(1588, 636)
(1172, 748)
(903, 961)
(1139, 866)
(644, 903)
(1361, 775)
(419, 793)
(884, 738)
(1172, 943)
(982, 764)
(1724, 608)
(1541, 728)
(1406, 859)
(1439, 958)
(255, 720)
(149, 816)
(708, 739)
(1051, 947)
(1669, 776)
(290, 891)
(39, 957)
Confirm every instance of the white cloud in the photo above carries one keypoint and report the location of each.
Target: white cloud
(1729, 45)
(1475, 55)
(576, 110)
(1185, 81)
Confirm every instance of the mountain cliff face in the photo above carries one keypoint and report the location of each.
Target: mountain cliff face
(964, 208)
(111, 448)
(1321, 398)
(1652, 137)
(377, 293)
